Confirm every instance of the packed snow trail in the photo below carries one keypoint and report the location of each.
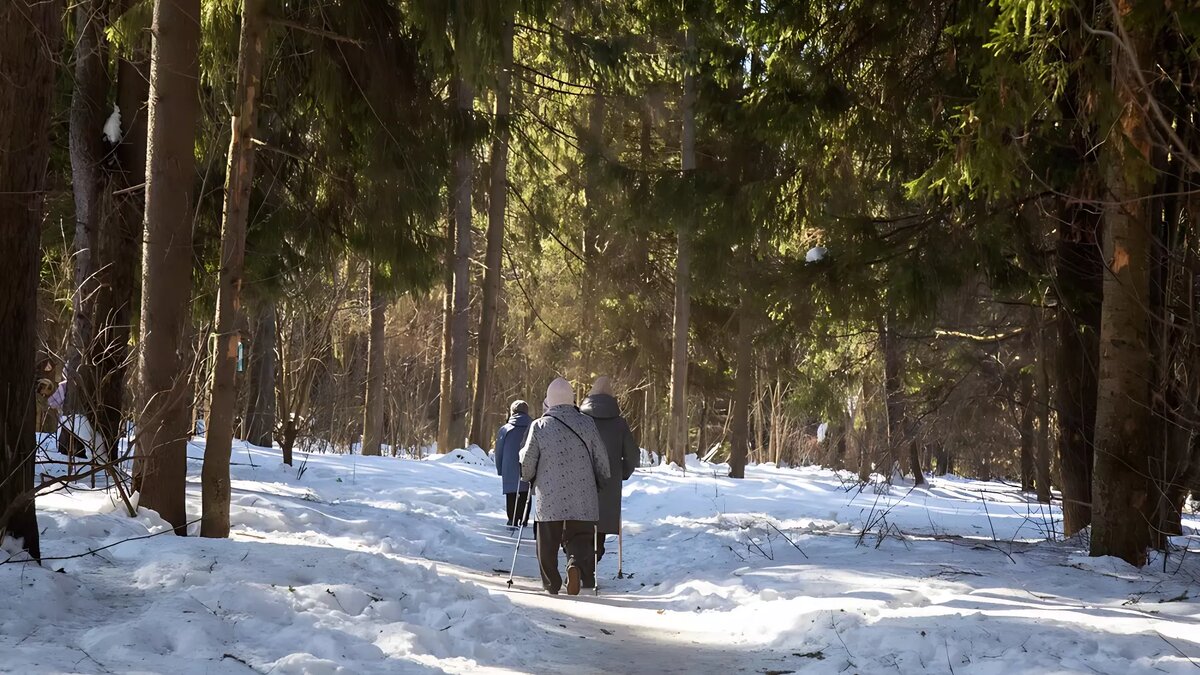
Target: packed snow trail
(350, 564)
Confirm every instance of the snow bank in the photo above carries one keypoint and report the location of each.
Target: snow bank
(381, 565)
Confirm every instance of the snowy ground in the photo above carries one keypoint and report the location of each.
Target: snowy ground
(380, 565)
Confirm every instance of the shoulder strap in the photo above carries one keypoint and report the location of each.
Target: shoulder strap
(572, 430)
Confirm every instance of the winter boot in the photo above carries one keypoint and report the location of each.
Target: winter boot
(573, 578)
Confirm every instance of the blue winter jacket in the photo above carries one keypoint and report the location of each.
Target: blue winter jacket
(509, 441)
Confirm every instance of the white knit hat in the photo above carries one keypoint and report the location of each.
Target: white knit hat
(559, 392)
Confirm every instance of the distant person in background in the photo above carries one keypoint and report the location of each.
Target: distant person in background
(623, 454)
(58, 398)
(47, 419)
(567, 464)
(509, 441)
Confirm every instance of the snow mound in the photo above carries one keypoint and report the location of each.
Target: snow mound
(473, 455)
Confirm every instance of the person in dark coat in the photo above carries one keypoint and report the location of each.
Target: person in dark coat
(509, 441)
(623, 454)
(566, 462)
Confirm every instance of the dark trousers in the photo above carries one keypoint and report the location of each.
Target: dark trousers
(600, 546)
(574, 537)
(515, 503)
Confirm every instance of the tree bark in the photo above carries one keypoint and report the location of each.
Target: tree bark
(87, 149)
(677, 432)
(445, 405)
(239, 178)
(29, 32)
(117, 251)
(914, 462)
(463, 171)
(593, 146)
(1079, 279)
(372, 438)
(893, 389)
(1026, 430)
(742, 385)
(260, 413)
(1122, 504)
(497, 208)
(1043, 414)
(167, 258)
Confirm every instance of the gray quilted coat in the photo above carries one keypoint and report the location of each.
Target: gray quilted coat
(567, 463)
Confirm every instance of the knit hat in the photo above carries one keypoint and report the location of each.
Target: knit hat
(518, 407)
(559, 392)
(603, 385)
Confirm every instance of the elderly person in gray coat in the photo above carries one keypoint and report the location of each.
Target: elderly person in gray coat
(566, 462)
(623, 454)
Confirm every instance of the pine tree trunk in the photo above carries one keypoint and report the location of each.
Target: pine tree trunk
(1026, 430)
(260, 413)
(1078, 277)
(373, 407)
(29, 32)
(493, 259)
(742, 384)
(167, 258)
(1043, 414)
(914, 462)
(117, 249)
(460, 321)
(444, 397)
(239, 178)
(593, 145)
(87, 149)
(893, 385)
(1122, 504)
(677, 432)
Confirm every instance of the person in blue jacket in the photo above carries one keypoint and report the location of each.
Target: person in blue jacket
(509, 441)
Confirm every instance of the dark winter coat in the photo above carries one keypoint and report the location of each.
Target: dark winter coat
(623, 455)
(565, 460)
(509, 441)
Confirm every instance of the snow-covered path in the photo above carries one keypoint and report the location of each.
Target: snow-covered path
(374, 565)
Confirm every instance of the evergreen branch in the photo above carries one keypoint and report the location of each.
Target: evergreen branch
(548, 76)
(329, 35)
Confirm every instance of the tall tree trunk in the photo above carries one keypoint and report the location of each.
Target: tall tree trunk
(1122, 504)
(117, 250)
(167, 258)
(742, 385)
(893, 390)
(239, 178)
(88, 152)
(460, 320)
(260, 413)
(373, 407)
(867, 438)
(677, 432)
(1079, 278)
(1043, 413)
(29, 32)
(445, 405)
(593, 144)
(1026, 429)
(497, 207)
(914, 462)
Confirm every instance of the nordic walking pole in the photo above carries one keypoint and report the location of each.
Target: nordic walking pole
(596, 559)
(620, 552)
(516, 548)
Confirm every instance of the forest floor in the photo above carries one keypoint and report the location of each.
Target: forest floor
(350, 564)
